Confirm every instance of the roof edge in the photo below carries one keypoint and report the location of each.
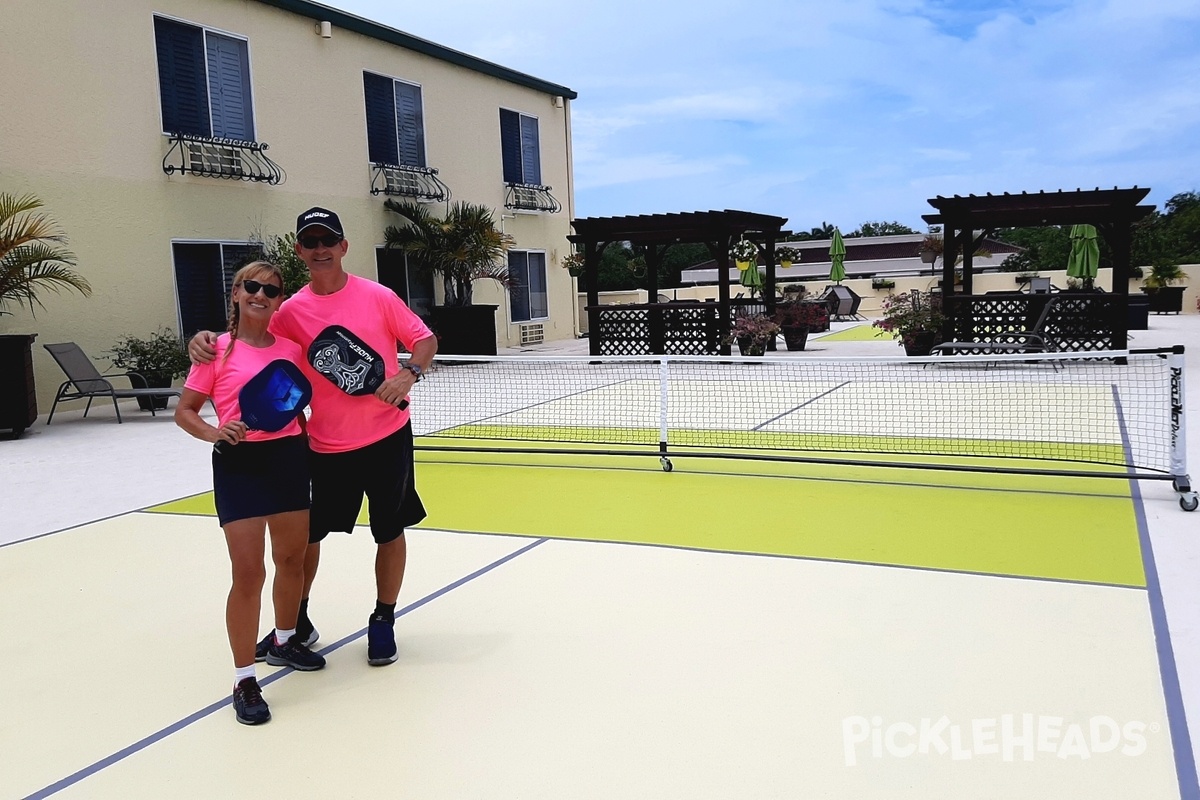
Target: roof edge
(375, 30)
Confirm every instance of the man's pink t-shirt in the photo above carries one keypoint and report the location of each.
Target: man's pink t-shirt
(222, 379)
(376, 315)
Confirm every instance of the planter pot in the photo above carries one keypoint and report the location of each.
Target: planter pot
(749, 346)
(920, 343)
(785, 264)
(465, 330)
(1165, 299)
(150, 380)
(18, 398)
(1139, 309)
(795, 336)
(742, 265)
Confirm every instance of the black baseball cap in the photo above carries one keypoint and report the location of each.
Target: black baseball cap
(322, 217)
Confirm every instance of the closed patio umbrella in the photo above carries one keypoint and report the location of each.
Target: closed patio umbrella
(751, 278)
(1084, 261)
(837, 258)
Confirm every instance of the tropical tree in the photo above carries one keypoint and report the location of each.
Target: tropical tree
(880, 229)
(462, 247)
(32, 255)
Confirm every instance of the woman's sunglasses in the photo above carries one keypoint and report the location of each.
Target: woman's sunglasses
(269, 289)
(311, 242)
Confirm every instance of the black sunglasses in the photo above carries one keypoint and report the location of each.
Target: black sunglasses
(311, 242)
(269, 289)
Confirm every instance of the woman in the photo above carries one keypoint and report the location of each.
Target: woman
(260, 482)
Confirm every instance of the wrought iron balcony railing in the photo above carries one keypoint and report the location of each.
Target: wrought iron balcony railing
(530, 197)
(214, 157)
(405, 181)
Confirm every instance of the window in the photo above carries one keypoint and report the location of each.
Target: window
(527, 297)
(203, 280)
(204, 81)
(413, 285)
(519, 149)
(395, 123)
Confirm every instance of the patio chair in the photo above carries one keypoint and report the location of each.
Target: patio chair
(84, 380)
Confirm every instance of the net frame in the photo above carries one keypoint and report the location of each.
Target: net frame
(1147, 425)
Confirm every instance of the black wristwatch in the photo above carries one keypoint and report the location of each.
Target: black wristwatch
(415, 369)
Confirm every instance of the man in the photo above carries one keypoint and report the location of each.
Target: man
(358, 444)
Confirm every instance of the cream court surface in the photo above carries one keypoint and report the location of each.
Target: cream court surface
(590, 626)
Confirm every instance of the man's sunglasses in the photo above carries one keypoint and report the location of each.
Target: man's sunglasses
(269, 289)
(311, 242)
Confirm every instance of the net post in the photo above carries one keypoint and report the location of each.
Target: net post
(663, 377)
(1175, 363)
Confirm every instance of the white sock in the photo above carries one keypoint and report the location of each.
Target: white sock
(281, 637)
(241, 673)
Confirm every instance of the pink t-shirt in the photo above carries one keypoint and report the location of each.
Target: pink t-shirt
(376, 315)
(222, 379)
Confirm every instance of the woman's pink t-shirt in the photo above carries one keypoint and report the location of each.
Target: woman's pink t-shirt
(376, 315)
(222, 379)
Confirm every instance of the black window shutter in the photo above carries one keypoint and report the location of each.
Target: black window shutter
(531, 158)
(410, 125)
(381, 119)
(229, 87)
(510, 145)
(198, 285)
(181, 77)
(518, 293)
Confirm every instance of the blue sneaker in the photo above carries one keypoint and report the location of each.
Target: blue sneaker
(306, 633)
(248, 703)
(294, 654)
(381, 640)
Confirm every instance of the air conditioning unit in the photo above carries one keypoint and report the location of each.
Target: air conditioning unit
(401, 181)
(532, 334)
(212, 159)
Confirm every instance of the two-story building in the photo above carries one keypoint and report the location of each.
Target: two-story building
(169, 137)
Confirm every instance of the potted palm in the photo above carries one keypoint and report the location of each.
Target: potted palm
(753, 332)
(33, 259)
(916, 319)
(462, 247)
(1165, 297)
(154, 362)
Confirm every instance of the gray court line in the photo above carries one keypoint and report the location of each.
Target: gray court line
(211, 708)
(816, 559)
(1185, 762)
(802, 405)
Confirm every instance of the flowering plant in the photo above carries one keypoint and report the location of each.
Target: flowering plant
(800, 315)
(906, 315)
(573, 263)
(783, 254)
(752, 332)
(744, 250)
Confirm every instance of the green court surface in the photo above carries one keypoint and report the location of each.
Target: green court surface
(1073, 529)
(859, 333)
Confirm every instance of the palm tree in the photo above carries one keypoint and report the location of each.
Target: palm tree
(32, 256)
(462, 247)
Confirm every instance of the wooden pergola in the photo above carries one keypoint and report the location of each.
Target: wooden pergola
(967, 220)
(677, 327)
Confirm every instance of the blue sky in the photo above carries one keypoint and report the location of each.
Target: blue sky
(847, 110)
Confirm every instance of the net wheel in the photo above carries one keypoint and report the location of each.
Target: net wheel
(666, 464)
(1189, 502)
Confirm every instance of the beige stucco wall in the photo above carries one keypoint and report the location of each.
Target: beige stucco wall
(82, 130)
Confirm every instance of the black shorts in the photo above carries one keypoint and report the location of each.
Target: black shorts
(383, 471)
(258, 479)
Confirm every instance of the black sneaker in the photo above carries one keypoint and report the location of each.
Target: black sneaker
(308, 632)
(381, 640)
(248, 703)
(294, 654)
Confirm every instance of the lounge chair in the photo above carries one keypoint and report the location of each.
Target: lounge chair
(84, 380)
(1033, 340)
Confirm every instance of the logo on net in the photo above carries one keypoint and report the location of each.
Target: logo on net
(1009, 737)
